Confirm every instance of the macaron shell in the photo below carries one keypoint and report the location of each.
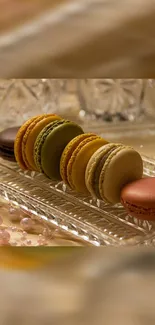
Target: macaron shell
(140, 212)
(92, 164)
(124, 166)
(140, 192)
(138, 198)
(68, 151)
(54, 145)
(7, 140)
(32, 136)
(104, 168)
(25, 137)
(40, 141)
(74, 155)
(18, 143)
(76, 177)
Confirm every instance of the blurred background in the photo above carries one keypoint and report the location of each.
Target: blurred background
(78, 38)
(80, 286)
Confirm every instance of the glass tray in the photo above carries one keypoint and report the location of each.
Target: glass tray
(92, 221)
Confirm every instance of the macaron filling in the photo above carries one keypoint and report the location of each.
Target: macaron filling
(6, 150)
(41, 139)
(139, 210)
(97, 172)
(73, 157)
(25, 137)
(18, 142)
(32, 135)
(103, 170)
(68, 151)
(7, 153)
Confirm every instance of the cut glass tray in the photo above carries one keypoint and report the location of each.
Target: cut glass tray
(92, 221)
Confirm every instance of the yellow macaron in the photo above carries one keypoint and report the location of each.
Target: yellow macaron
(25, 139)
(67, 153)
(18, 143)
(75, 158)
(31, 135)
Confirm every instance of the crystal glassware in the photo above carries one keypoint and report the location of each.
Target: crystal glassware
(23, 98)
(112, 99)
(149, 99)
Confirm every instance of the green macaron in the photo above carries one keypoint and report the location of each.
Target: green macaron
(50, 144)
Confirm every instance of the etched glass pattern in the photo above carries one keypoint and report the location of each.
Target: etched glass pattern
(92, 221)
(112, 99)
(23, 98)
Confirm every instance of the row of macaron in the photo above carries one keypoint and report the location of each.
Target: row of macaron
(86, 162)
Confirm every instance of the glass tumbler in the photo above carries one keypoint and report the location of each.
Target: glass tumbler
(23, 98)
(149, 100)
(111, 99)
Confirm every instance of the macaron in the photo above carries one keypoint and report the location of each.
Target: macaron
(110, 168)
(138, 198)
(75, 158)
(50, 144)
(18, 143)
(67, 153)
(7, 139)
(30, 137)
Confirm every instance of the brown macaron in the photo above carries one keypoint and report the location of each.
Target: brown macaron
(7, 139)
(138, 198)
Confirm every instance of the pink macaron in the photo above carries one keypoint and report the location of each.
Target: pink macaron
(138, 198)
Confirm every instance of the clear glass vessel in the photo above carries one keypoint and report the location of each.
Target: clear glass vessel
(23, 98)
(112, 99)
(149, 99)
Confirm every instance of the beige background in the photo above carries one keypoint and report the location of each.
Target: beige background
(93, 38)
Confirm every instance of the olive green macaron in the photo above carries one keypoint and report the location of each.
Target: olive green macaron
(50, 144)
